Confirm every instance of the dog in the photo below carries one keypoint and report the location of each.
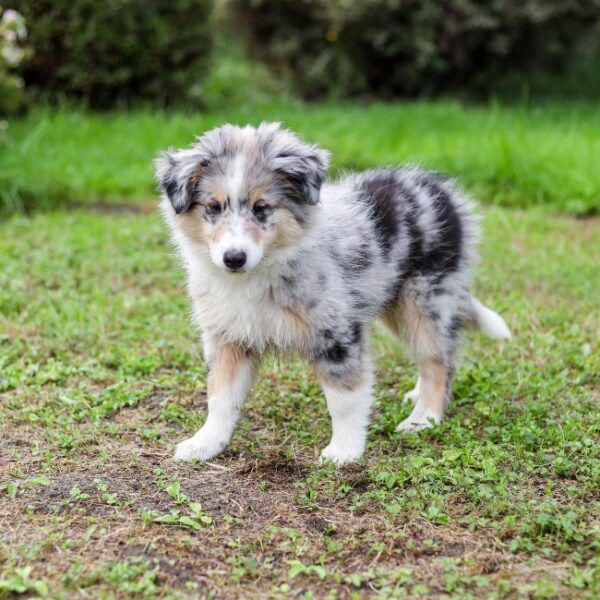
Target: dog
(279, 259)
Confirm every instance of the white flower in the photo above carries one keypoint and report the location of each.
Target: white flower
(15, 22)
(11, 16)
(12, 55)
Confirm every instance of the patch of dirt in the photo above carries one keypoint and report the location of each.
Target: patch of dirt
(179, 556)
(260, 524)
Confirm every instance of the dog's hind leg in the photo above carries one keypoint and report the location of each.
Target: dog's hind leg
(435, 379)
(432, 341)
(230, 377)
(413, 395)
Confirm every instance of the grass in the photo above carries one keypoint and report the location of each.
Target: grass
(515, 156)
(101, 375)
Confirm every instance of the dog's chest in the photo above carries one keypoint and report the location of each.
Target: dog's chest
(254, 314)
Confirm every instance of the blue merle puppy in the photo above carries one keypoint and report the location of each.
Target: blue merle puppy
(279, 259)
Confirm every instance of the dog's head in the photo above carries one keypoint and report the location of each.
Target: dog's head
(243, 191)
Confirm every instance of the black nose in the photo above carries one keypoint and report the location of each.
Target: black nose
(234, 259)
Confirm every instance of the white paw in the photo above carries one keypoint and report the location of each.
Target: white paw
(198, 448)
(416, 424)
(341, 455)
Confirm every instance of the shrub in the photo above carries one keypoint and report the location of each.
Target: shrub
(12, 53)
(116, 51)
(411, 47)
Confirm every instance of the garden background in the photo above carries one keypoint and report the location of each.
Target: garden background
(101, 373)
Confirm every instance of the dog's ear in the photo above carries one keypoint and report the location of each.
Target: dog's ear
(178, 174)
(302, 167)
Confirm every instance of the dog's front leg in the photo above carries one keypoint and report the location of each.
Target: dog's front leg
(349, 394)
(230, 377)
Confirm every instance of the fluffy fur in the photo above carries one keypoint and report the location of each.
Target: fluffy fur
(277, 259)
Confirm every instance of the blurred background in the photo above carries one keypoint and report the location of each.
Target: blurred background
(490, 91)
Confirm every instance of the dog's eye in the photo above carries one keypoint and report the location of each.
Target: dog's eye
(260, 210)
(214, 208)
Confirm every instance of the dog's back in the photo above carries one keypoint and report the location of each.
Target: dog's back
(407, 223)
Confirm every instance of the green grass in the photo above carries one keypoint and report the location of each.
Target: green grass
(101, 375)
(512, 156)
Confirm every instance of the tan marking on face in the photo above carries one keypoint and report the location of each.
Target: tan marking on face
(193, 225)
(225, 365)
(256, 194)
(218, 232)
(287, 230)
(218, 190)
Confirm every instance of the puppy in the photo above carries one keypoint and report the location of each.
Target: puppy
(279, 259)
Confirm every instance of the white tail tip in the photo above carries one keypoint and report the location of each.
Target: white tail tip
(489, 322)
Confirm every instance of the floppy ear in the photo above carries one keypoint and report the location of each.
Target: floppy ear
(303, 169)
(177, 174)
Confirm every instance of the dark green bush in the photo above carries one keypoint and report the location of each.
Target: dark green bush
(109, 52)
(413, 47)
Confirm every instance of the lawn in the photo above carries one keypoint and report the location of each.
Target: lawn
(101, 376)
(508, 155)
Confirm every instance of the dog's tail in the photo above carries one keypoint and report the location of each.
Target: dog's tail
(488, 322)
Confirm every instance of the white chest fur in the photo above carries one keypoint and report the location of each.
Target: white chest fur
(244, 308)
